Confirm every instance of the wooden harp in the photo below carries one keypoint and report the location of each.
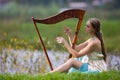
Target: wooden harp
(72, 13)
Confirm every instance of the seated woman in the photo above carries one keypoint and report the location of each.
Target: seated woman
(93, 49)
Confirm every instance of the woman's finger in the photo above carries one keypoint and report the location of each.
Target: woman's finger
(59, 39)
(67, 30)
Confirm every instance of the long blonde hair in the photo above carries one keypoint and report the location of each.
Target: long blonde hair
(96, 25)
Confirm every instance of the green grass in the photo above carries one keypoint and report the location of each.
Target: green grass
(17, 34)
(110, 75)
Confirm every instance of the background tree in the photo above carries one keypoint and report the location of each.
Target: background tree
(113, 5)
(34, 2)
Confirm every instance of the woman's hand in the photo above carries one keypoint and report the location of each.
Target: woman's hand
(60, 40)
(67, 31)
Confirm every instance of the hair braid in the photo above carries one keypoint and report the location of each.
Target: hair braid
(99, 36)
(96, 25)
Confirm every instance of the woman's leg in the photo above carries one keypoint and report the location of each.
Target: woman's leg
(67, 65)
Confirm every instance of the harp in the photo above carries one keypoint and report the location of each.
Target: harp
(71, 13)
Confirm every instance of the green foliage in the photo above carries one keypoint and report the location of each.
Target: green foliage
(113, 5)
(17, 29)
(34, 2)
(22, 34)
(13, 10)
(103, 14)
(109, 75)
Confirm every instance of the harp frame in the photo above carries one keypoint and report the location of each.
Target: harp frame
(71, 13)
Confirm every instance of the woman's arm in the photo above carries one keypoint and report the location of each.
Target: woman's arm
(68, 32)
(88, 49)
(81, 46)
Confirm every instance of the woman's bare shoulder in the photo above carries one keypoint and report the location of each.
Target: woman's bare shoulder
(97, 41)
(94, 42)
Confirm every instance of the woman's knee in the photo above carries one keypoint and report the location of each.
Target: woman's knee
(71, 60)
(75, 63)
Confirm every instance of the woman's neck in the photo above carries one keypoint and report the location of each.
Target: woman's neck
(92, 36)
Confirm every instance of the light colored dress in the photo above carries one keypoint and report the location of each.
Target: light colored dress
(92, 62)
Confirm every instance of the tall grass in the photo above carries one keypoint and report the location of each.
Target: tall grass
(16, 34)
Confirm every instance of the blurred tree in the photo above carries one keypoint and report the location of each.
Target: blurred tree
(34, 2)
(116, 4)
(113, 5)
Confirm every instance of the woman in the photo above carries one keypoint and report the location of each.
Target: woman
(93, 48)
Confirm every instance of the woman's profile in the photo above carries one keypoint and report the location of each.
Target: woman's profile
(92, 50)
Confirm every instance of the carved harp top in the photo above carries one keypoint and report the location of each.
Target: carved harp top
(72, 13)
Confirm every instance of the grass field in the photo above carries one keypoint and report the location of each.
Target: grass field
(110, 75)
(17, 34)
